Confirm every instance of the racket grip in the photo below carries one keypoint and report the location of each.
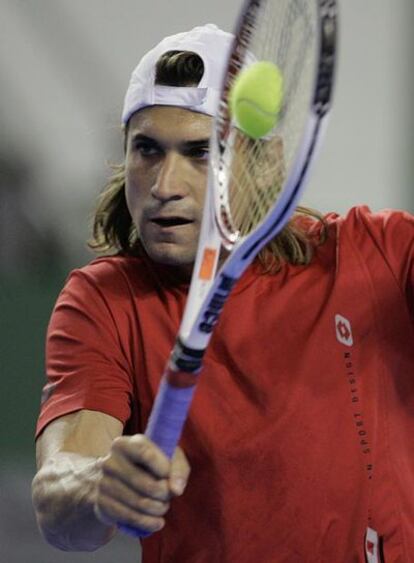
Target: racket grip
(164, 426)
(168, 415)
(166, 422)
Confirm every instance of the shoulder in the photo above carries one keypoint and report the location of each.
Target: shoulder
(386, 235)
(109, 268)
(99, 293)
(110, 279)
(361, 219)
(109, 272)
(123, 277)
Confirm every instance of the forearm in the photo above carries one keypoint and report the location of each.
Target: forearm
(64, 493)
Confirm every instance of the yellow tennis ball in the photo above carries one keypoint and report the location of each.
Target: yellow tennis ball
(256, 98)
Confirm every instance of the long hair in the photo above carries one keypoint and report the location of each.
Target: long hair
(113, 230)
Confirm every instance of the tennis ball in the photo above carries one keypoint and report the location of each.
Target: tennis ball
(256, 98)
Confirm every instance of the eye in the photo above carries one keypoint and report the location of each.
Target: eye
(199, 153)
(146, 148)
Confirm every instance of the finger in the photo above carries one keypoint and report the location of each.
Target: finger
(134, 532)
(141, 451)
(110, 512)
(119, 468)
(180, 472)
(122, 493)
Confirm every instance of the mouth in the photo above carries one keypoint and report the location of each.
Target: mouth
(168, 222)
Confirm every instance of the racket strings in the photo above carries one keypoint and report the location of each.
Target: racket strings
(256, 179)
(284, 32)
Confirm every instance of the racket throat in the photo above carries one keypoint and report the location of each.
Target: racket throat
(210, 313)
(185, 359)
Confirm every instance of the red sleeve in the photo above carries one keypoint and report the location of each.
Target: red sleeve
(86, 366)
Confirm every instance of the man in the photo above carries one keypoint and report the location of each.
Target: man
(300, 434)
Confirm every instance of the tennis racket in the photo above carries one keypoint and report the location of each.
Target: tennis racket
(253, 185)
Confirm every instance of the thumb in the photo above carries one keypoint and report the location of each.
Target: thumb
(180, 471)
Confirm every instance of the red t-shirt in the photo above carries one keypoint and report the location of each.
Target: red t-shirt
(301, 433)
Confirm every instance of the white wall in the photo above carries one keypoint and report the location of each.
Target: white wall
(367, 157)
(65, 65)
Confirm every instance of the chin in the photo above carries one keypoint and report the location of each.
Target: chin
(171, 255)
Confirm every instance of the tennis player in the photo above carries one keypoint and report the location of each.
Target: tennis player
(300, 438)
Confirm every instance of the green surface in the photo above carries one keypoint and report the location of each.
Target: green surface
(26, 304)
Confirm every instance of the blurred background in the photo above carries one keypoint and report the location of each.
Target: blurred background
(64, 67)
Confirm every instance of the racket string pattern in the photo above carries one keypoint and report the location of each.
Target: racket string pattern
(256, 179)
(285, 33)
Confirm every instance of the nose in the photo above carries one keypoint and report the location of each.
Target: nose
(170, 182)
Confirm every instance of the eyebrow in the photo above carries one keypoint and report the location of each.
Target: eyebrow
(185, 145)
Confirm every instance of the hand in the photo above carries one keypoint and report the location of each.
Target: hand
(137, 483)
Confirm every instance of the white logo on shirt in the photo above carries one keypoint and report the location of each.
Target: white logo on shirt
(372, 546)
(343, 330)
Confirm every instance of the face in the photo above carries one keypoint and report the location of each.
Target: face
(166, 176)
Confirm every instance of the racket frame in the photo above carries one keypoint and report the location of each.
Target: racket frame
(208, 291)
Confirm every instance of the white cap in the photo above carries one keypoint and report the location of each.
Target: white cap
(211, 44)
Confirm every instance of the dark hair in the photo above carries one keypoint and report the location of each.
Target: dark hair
(179, 68)
(113, 229)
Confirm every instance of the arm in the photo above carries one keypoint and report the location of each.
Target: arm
(90, 478)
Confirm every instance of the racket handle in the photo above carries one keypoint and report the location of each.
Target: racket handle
(168, 415)
(166, 422)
